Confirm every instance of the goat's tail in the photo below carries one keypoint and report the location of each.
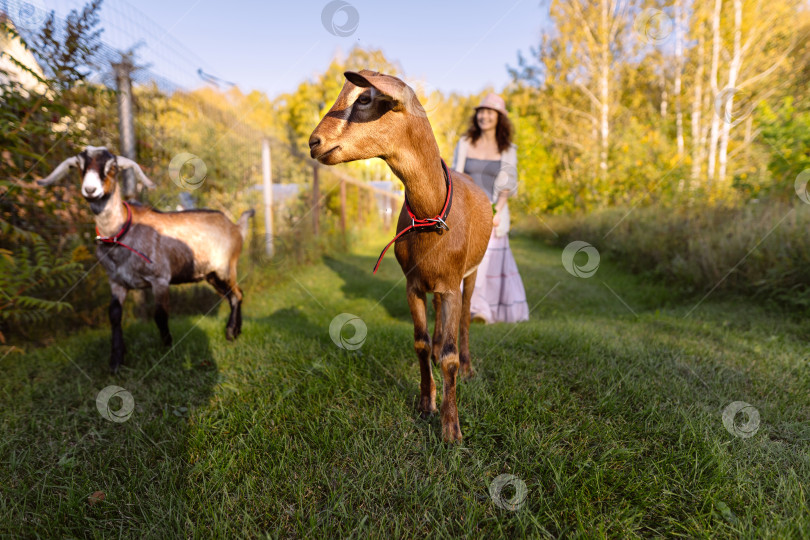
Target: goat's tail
(243, 222)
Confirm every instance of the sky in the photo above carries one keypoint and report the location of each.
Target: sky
(461, 46)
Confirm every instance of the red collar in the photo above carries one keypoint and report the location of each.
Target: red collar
(436, 224)
(120, 234)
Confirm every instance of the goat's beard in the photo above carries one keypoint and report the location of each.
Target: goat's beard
(98, 205)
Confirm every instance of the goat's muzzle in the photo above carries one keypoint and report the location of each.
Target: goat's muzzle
(317, 151)
(315, 143)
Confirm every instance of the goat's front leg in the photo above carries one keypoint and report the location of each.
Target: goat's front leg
(421, 343)
(161, 291)
(234, 326)
(465, 366)
(451, 311)
(437, 327)
(119, 294)
(239, 312)
(234, 295)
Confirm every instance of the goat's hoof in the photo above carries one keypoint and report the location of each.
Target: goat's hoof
(230, 335)
(167, 341)
(427, 409)
(465, 370)
(451, 433)
(117, 360)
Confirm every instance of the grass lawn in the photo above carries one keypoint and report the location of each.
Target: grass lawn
(608, 406)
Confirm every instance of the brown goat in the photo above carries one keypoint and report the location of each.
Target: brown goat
(378, 115)
(143, 248)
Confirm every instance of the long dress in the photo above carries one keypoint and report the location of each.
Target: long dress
(499, 295)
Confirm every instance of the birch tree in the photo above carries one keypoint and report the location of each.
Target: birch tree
(713, 85)
(762, 37)
(697, 102)
(594, 32)
(679, 29)
(733, 72)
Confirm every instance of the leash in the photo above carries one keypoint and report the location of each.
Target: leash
(115, 239)
(436, 224)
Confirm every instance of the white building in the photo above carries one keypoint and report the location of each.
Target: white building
(12, 49)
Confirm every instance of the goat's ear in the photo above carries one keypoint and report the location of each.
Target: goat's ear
(356, 79)
(126, 163)
(108, 166)
(385, 84)
(60, 171)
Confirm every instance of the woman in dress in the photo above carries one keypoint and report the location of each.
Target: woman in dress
(486, 154)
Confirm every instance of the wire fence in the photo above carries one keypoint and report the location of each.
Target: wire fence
(306, 197)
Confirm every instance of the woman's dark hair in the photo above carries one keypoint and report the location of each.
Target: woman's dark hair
(503, 131)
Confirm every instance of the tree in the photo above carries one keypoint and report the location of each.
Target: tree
(69, 53)
(576, 67)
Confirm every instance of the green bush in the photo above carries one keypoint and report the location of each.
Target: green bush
(761, 249)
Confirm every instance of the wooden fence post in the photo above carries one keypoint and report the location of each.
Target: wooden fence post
(361, 214)
(389, 211)
(126, 122)
(267, 187)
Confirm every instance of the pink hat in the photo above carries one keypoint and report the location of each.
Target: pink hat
(493, 101)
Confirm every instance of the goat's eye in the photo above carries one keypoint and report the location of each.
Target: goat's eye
(364, 99)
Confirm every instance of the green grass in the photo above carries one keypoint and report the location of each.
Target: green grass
(611, 415)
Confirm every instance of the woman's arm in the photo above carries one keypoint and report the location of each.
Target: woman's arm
(506, 180)
(505, 183)
(501, 202)
(498, 206)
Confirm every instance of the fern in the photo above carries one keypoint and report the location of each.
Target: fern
(31, 278)
(37, 268)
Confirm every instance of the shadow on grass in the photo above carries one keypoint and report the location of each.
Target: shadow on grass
(59, 445)
(291, 321)
(359, 282)
(187, 299)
